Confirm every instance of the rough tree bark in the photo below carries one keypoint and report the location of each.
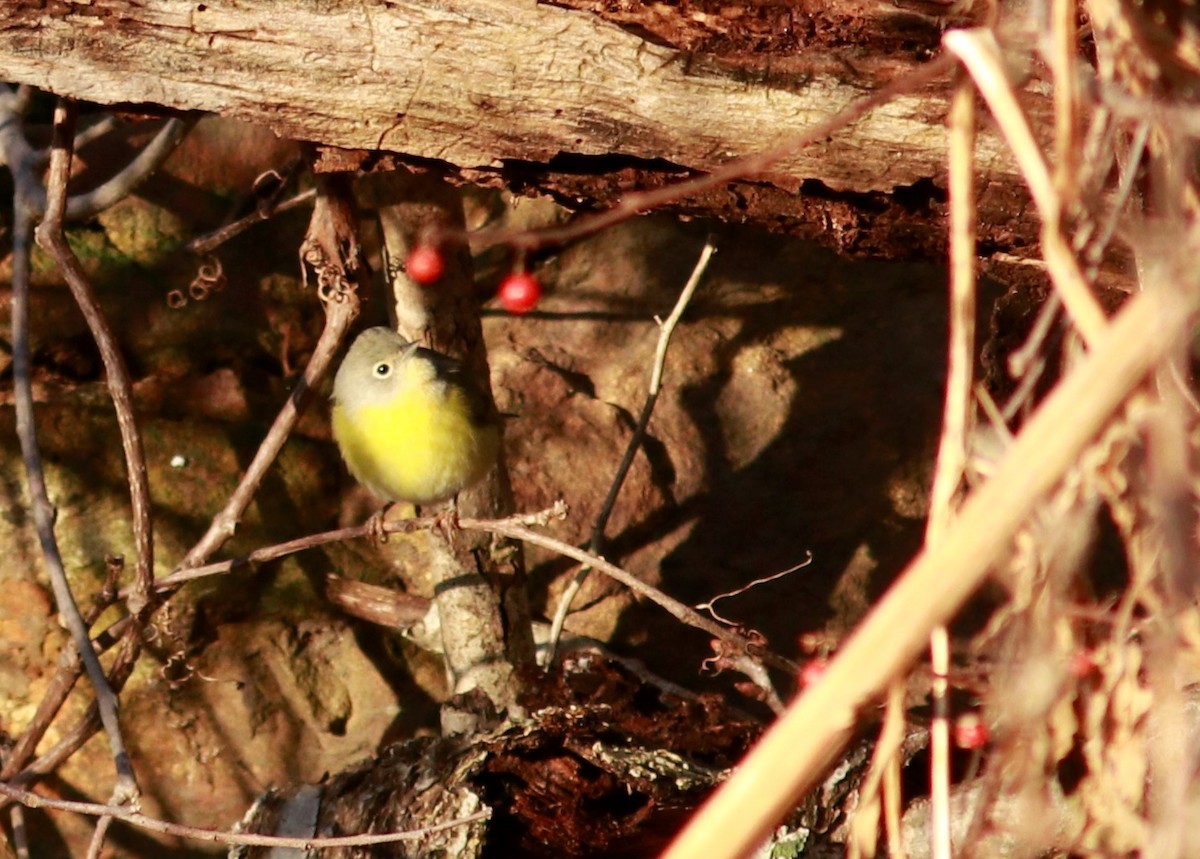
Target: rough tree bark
(537, 94)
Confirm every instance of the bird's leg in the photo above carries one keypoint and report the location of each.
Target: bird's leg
(446, 521)
(376, 522)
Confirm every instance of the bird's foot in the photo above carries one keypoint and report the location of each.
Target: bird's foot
(446, 521)
(376, 524)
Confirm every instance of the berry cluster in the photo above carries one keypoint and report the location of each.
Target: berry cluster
(519, 291)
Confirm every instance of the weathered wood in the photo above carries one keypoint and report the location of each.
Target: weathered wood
(472, 82)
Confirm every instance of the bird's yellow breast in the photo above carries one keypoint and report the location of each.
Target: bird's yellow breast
(422, 446)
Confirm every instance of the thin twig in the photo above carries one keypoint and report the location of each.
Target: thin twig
(1095, 160)
(864, 828)
(340, 535)
(210, 241)
(814, 730)
(66, 674)
(23, 159)
(20, 838)
(1091, 247)
(1183, 116)
(150, 158)
(153, 824)
(1021, 360)
(710, 605)
(893, 797)
(86, 725)
(683, 613)
(20, 158)
(97, 843)
(341, 304)
(50, 236)
(25, 163)
(83, 138)
(1063, 52)
(666, 329)
(70, 742)
(517, 527)
(98, 129)
(1128, 167)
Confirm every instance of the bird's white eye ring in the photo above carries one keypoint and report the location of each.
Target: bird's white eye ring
(382, 370)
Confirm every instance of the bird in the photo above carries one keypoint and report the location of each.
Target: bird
(410, 423)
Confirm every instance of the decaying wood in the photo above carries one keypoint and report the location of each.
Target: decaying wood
(489, 86)
(574, 779)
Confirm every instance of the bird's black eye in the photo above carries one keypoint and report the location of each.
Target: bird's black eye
(382, 370)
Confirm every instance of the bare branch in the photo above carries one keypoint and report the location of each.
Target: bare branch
(149, 159)
(956, 426)
(683, 613)
(153, 824)
(666, 329)
(51, 236)
(517, 527)
(208, 243)
(332, 248)
(25, 200)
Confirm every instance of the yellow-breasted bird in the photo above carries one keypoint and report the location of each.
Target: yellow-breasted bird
(410, 423)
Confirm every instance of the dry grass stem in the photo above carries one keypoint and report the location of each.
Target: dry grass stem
(956, 426)
(980, 54)
(791, 755)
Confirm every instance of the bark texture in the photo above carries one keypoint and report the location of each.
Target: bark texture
(486, 83)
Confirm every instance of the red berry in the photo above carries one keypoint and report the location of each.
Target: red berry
(425, 264)
(970, 731)
(1082, 664)
(520, 292)
(812, 671)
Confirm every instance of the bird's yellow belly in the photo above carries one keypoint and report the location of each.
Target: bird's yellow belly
(420, 448)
